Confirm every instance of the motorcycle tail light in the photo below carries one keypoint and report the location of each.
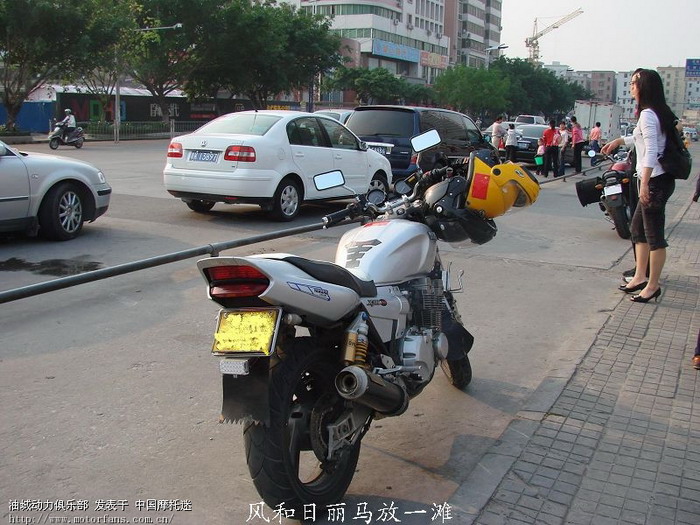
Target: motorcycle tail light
(240, 154)
(236, 281)
(625, 180)
(175, 150)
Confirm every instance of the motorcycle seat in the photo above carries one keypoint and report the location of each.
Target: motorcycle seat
(332, 273)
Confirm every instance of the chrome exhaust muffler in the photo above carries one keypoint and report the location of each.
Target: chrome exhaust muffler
(356, 384)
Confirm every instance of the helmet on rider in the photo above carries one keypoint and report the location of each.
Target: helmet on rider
(67, 111)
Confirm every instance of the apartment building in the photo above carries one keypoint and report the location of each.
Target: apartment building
(414, 39)
(623, 97)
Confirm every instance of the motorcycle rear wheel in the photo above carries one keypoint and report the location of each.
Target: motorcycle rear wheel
(621, 220)
(78, 143)
(280, 456)
(54, 143)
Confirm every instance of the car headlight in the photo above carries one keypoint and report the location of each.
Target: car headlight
(101, 177)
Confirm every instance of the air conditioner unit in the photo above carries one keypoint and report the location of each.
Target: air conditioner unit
(396, 21)
(439, 36)
(409, 25)
(429, 32)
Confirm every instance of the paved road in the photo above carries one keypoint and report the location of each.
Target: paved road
(108, 391)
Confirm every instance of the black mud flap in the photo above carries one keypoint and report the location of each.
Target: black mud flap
(245, 397)
(459, 339)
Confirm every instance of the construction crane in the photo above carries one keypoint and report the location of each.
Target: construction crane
(533, 42)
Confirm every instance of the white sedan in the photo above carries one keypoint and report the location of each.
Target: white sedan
(270, 158)
(49, 194)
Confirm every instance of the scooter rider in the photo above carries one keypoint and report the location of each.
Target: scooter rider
(70, 124)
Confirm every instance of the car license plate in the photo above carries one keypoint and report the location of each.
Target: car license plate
(612, 190)
(203, 156)
(378, 149)
(248, 331)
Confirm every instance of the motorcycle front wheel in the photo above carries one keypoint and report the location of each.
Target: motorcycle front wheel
(286, 459)
(54, 143)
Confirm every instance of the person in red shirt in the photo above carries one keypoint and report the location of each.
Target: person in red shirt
(594, 137)
(577, 140)
(551, 138)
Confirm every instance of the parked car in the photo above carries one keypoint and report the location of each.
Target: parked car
(341, 115)
(395, 125)
(269, 158)
(48, 194)
(692, 133)
(530, 119)
(528, 136)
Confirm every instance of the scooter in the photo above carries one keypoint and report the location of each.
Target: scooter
(611, 192)
(75, 138)
(311, 352)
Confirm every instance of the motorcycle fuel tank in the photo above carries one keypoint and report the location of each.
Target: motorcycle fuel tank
(388, 251)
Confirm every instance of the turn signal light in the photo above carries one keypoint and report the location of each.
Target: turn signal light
(625, 181)
(598, 186)
(236, 281)
(175, 150)
(240, 154)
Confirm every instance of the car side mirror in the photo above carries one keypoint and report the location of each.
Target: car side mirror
(3, 150)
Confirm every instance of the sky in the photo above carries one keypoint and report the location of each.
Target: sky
(610, 35)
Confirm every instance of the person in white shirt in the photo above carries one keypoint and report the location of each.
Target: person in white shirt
(69, 121)
(511, 142)
(656, 121)
(565, 138)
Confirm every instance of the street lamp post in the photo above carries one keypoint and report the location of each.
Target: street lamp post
(117, 91)
(488, 53)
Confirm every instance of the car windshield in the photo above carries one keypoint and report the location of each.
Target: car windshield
(376, 122)
(241, 124)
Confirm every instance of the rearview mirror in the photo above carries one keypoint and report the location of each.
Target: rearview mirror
(328, 180)
(3, 149)
(425, 140)
(591, 153)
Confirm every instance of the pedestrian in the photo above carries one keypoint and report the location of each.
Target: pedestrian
(511, 143)
(655, 122)
(594, 138)
(577, 143)
(539, 157)
(564, 140)
(696, 357)
(550, 137)
(497, 133)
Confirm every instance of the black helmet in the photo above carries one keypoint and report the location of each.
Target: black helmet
(450, 219)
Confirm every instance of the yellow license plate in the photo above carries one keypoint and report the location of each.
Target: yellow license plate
(246, 331)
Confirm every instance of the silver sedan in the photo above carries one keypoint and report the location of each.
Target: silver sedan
(48, 194)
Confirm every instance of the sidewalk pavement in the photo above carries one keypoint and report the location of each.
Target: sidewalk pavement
(618, 439)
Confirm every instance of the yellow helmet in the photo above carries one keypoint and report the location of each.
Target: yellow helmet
(495, 190)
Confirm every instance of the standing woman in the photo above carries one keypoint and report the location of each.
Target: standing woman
(577, 141)
(655, 121)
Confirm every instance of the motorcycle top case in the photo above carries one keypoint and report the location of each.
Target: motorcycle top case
(388, 251)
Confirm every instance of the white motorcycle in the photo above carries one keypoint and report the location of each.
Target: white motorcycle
(311, 351)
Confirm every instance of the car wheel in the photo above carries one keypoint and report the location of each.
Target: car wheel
(379, 182)
(54, 143)
(287, 200)
(61, 213)
(200, 206)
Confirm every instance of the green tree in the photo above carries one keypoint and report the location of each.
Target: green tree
(261, 49)
(376, 85)
(535, 90)
(41, 40)
(473, 91)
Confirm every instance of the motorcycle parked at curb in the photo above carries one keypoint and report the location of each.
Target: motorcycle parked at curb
(75, 138)
(312, 351)
(611, 192)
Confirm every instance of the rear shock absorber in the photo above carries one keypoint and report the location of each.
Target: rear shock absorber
(356, 342)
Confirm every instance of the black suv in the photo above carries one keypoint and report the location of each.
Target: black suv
(397, 124)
